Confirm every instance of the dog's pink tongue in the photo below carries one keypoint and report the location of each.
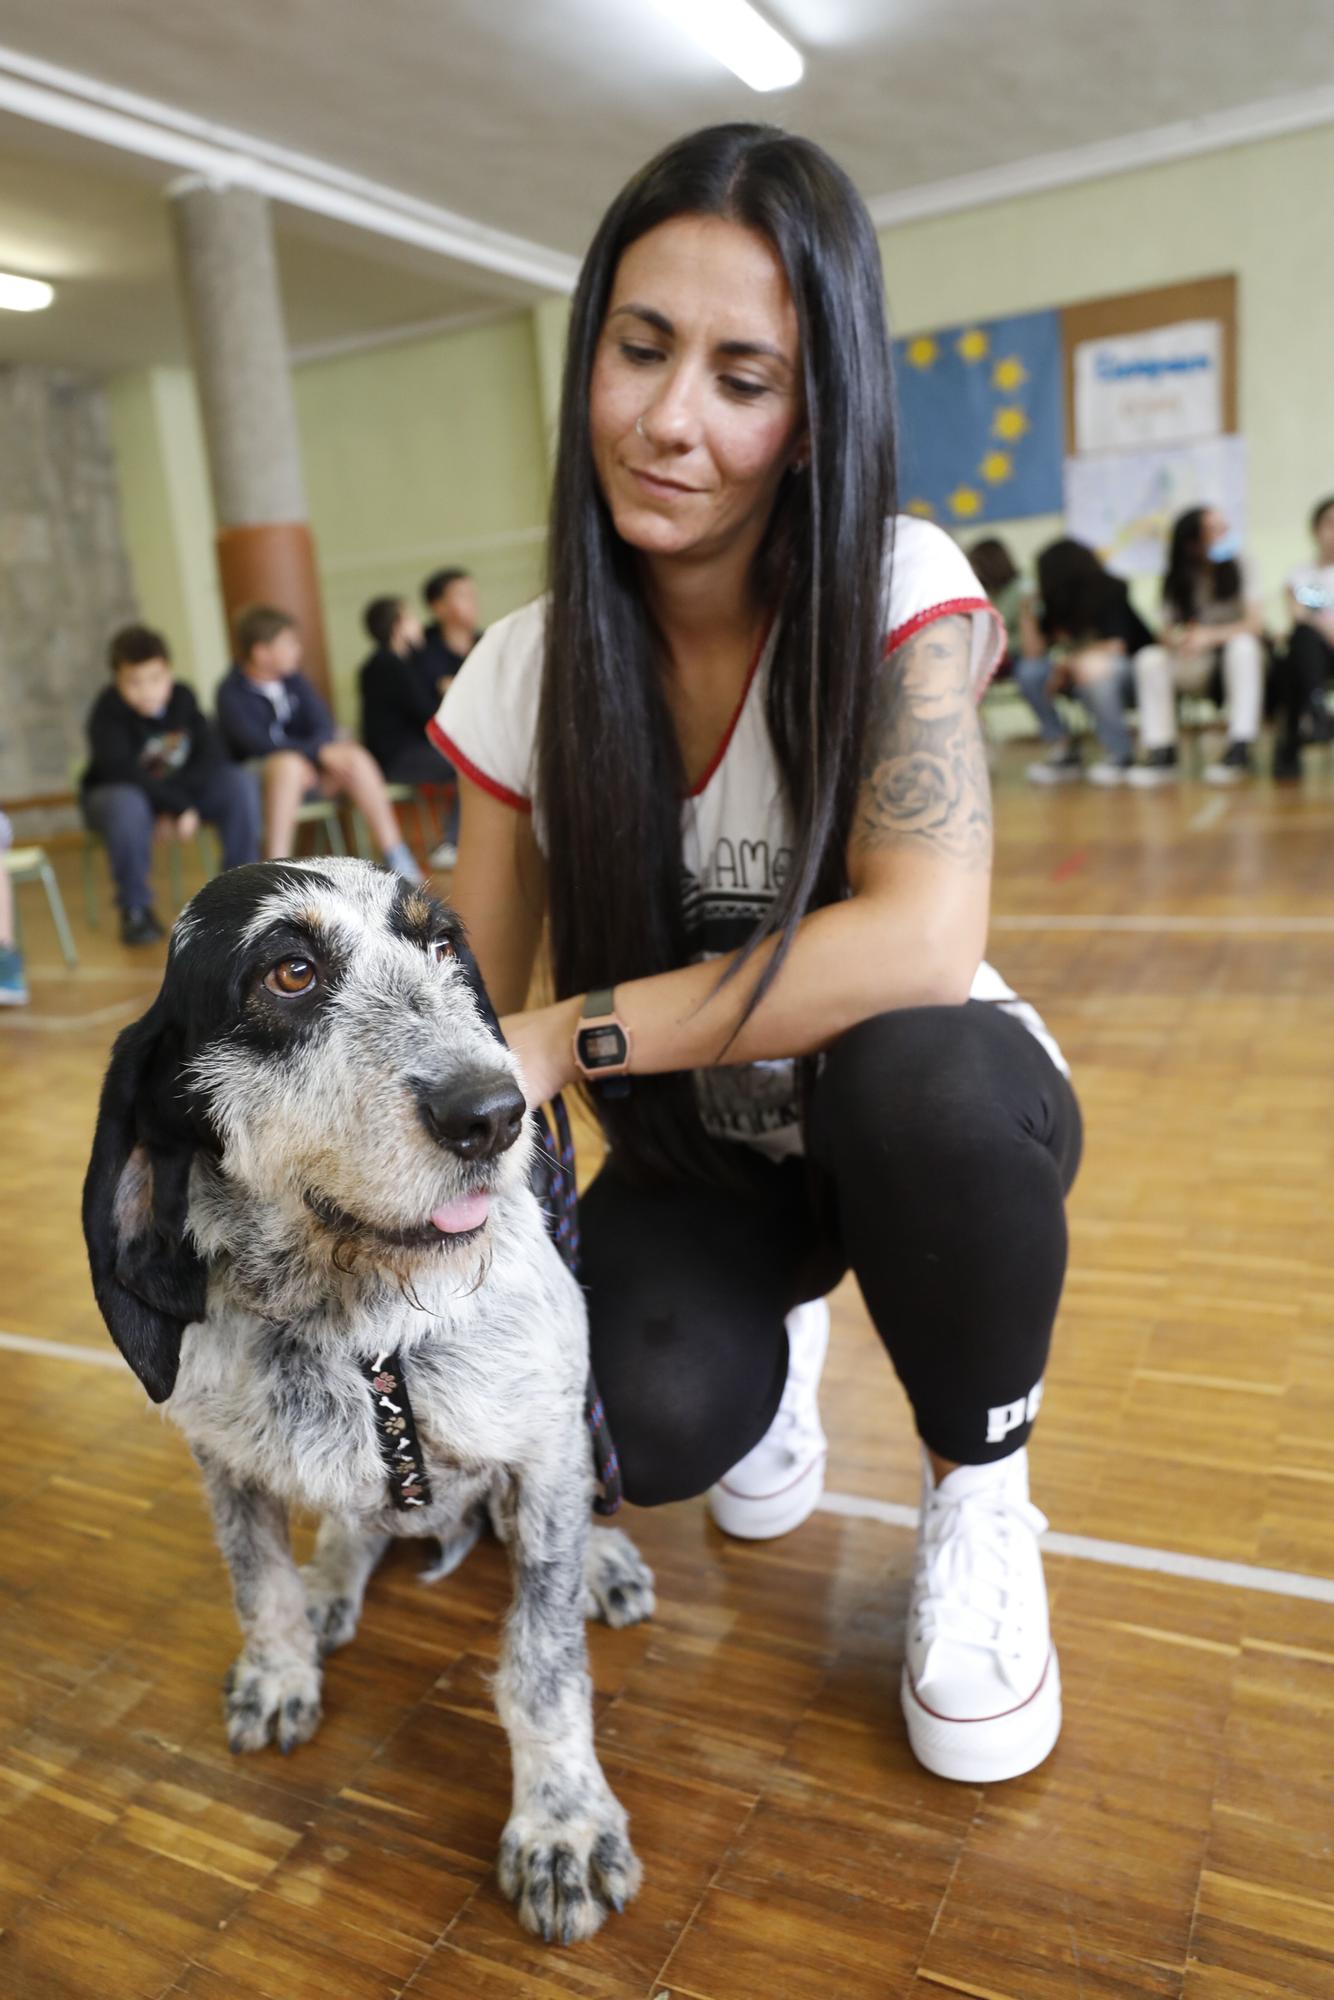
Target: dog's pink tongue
(457, 1217)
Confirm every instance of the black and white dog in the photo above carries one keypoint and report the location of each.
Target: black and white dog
(312, 1237)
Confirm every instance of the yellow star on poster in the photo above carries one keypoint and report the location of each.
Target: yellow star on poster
(1009, 423)
(973, 345)
(965, 501)
(922, 509)
(920, 353)
(996, 466)
(1009, 374)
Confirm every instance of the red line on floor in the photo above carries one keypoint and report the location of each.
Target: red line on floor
(1070, 866)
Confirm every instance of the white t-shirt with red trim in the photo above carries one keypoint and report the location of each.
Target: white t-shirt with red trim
(736, 834)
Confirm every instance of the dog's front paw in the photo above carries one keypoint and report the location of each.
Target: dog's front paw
(268, 1702)
(618, 1583)
(333, 1615)
(566, 1874)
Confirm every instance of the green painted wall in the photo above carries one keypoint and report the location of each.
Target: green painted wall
(417, 455)
(421, 455)
(1248, 211)
(167, 514)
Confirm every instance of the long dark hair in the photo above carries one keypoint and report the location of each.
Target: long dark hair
(610, 777)
(1078, 595)
(993, 565)
(1188, 567)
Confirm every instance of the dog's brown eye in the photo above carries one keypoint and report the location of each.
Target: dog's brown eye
(291, 975)
(441, 950)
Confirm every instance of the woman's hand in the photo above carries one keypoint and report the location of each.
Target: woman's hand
(543, 1040)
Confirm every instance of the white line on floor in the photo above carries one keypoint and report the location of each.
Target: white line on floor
(1169, 926)
(64, 1024)
(1209, 814)
(61, 1350)
(1119, 1555)
(1084, 1548)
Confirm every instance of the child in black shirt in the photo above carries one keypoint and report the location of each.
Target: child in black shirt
(157, 769)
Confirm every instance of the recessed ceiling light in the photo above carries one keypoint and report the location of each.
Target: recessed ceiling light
(732, 31)
(24, 295)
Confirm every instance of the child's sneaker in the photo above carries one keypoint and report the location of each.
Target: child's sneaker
(1160, 767)
(1062, 765)
(981, 1689)
(779, 1481)
(13, 985)
(1235, 764)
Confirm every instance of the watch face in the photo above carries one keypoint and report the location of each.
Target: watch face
(602, 1047)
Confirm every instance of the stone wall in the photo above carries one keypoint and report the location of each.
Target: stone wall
(65, 579)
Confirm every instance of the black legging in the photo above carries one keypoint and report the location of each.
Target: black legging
(942, 1143)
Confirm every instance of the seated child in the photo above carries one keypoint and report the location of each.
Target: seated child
(401, 685)
(1306, 668)
(269, 710)
(156, 769)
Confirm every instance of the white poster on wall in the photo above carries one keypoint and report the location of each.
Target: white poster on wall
(1123, 503)
(1164, 386)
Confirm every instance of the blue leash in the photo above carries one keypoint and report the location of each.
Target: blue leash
(560, 1199)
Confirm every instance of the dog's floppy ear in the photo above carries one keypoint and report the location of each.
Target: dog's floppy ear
(149, 1280)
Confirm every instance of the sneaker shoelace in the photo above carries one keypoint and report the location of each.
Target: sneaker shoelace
(963, 1589)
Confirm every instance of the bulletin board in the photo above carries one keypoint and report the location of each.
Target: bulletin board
(1140, 312)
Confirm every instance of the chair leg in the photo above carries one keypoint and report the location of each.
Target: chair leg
(56, 905)
(91, 904)
(175, 872)
(333, 833)
(361, 837)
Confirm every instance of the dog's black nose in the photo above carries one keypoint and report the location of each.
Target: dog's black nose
(476, 1119)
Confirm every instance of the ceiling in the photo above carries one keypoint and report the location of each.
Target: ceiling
(94, 220)
(525, 116)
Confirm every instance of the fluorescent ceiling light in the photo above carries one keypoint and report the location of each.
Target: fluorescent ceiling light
(732, 31)
(24, 295)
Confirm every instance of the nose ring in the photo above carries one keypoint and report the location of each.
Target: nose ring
(639, 426)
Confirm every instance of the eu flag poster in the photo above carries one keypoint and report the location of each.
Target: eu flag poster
(982, 420)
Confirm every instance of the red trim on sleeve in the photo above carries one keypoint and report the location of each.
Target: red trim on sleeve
(449, 748)
(950, 608)
(702, 784)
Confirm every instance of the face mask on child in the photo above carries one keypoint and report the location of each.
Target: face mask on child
(1226, 549)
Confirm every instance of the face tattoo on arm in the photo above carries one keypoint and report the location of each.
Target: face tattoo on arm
(924, 768)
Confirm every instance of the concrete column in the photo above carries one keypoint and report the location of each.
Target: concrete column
(229, 277)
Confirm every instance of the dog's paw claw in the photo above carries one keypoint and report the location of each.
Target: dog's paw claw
(278, 1704)
(565, 1875)
(618, 1583)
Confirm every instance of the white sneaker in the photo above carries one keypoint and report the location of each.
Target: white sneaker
(981, 1688)
(445, 855)
(1148, 777)
(1062, 765)
(1107, 773)
(779, 1481)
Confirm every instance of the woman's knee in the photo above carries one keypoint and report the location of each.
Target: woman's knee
(935, 1085)
(679, 1422)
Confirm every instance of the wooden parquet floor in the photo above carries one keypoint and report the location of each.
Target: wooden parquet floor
(1179, 1841)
